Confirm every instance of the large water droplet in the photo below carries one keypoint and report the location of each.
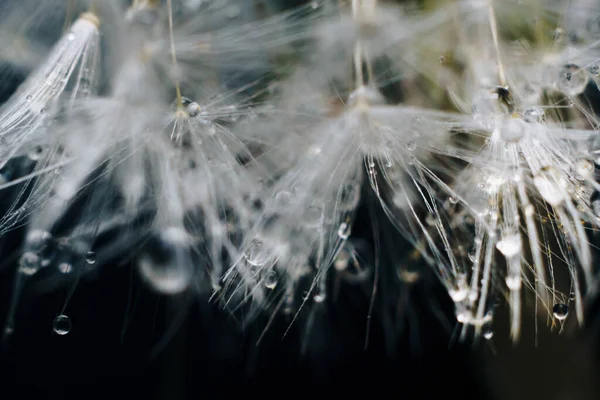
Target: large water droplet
(560, 311)
(256, 255)
(90, 257)
(571, 80)
(29, 263)
(62, 325)
(166, 264)
(344, 230)
(510, 246)
(271, 280)
(551, 185)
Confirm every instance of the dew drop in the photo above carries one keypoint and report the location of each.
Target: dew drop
(71, 36)
(550, 185)
(36, 153)
(255, 255)
(90, 258)
(510, 246)
(411, 145)
(29, 97)
(319, 297)
(513, 282)
(283, 198)
(193, 109)
(62, 325)
(65, 268)
(487, 331)
(560, 311)
(344, 230)
(584, 168)
(271, 280)
(29, 263)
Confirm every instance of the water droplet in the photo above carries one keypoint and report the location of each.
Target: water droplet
(411, 145)
(584, 168)
(37, 240)
(70, 36)
(256, 255)
(320, 296)
(90, 257)
(487, 331)
(550, 185)
(65, 268)
(510, 246)
(572, 80)
(29, 263)
(560, 311)
(42, 111)
(36, 153)
(314, 5)
(166, 263)
(283, 199)
(342, 260)
(193, 109)
(344, 230)
(62, 325)
(513, 282)
(29, 97)
(271, 280)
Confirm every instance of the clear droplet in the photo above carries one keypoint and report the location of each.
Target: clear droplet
(36, 153)
(65, 268)
(90, 258)
(256, 255)
(551, 185)
(271, 280)
(344, 230)
(62, 325)
(411, 145)
(193, 109)
(513, 282)
(584, 168)
(572, 80)
(283, 199)
(166, 263)
(320, 296)
(29, 263)
(487, 331)
(560, 311)
(510, 246)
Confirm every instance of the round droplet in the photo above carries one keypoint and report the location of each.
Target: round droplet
(572, 80)
(344, 230)
(551, 185)
(29, 263)
(314, 5)
(487, 331)
(271, 280)
(513, 282)
(90, 258)
(560, 311)
(584, 168)
(62, 325)
(510, 246)
(319, 297)
(71, 36)
(411, 145)
(193, 109)
(256, 255)
(283, 198)
(65, 268)
(36, 153)
(29, 97)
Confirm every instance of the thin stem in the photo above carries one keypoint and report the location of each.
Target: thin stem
(494, 27)
(174, 55)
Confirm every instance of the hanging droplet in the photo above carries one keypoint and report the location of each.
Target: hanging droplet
(283, 199)
(513, 282)
(551, 185)
(271, 280)
(90, 258)
(487, 331)
(510, 246)
(256, 255)
(62, 325)
(29, 263)
(319, 296)
(560, 311)
(65, 268)
(344, 230)
(584, 168)
(572, 80)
